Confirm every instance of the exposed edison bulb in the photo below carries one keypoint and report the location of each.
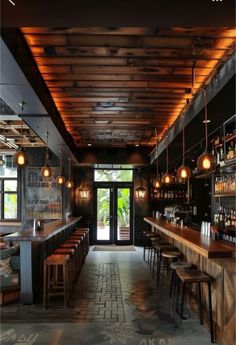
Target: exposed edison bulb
(69, 184)
(184, 172)
(21, 158)
(46, 172)
(60, 179)
(157, 183)
(206, 161)
(167, 178)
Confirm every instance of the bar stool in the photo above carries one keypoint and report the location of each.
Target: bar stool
(74, 246)
(71, 253)
(85, 232)
(158, 248)
(80, 251)
(51, 285)
(147, 242)
(176, 265)
(166, 255)
(154, 239)
(195, 277)
(81, 238)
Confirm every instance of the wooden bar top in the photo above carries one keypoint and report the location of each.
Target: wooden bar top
(193, 239)
(50, 229)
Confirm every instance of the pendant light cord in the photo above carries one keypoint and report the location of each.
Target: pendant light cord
(157, 168)
(69, 168)
(183, 146)
(22, 108)
(167, 159)
(60, 164)
(46, 148)
(205, 106)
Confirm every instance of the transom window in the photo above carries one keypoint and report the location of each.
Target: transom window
(9, 200)
(106, 175)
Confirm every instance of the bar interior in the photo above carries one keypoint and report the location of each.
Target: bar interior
(117, 174)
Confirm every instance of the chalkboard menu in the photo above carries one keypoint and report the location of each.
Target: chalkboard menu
(43, 198)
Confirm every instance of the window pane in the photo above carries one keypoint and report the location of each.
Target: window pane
(9, 169)
(10, 185)
(10, 206)
(105, 175)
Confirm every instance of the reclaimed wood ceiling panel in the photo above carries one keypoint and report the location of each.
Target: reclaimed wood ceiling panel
(125, 86)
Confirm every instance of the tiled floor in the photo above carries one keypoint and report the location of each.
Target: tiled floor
(115, 302)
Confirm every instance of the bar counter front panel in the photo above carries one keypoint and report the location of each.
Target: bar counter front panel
(32, 252)
(216, 258)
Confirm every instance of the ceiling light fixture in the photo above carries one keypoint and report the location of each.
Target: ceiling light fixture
(46, 171)
(206, 161)
(184, 171)
(21, 158)
(167, 178)
(60, 179)
(12, 2)
(69, 182)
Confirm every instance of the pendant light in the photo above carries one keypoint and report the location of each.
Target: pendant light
(21, 158)
(46, 171)
(140, 192)
(69, 182)
(206, 161)
(60, 179)
(167, 178)
(184, 171)
(157, 181)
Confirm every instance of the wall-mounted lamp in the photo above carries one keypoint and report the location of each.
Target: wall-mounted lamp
(206, 161)
(46, 171)
(69, 182)
(21, 158)
(167, 178)
(140, 192)
(84, 194)
(60, 179)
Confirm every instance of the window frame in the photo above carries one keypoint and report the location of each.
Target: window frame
(2, 193)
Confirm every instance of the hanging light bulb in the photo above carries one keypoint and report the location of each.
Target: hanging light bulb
(206, 161)
(140, 192)
(46, 171)
(21, 158)
(167, 178)
(184, 171)
(69, 182)
(157, 181)
(60, 179)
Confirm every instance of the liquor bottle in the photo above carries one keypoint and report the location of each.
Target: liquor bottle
(230, 154)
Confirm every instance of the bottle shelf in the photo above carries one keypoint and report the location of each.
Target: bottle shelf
(230, 137)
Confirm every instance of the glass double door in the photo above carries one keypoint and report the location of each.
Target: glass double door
(113, 213)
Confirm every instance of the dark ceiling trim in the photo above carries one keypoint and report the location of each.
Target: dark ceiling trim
(19, 49)
(161, 13)
(192, 110)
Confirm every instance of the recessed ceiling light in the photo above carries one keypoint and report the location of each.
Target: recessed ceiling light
(206, 121)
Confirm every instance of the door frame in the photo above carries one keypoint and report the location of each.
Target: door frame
(113, 215)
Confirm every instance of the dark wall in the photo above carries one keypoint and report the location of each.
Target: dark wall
(84, 178)
(36, 158)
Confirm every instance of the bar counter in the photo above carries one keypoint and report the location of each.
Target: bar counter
(216, 258)
(27, 239)
(193, 239)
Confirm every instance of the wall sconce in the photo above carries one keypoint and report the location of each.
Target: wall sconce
(206, 161)
(21, 158)
(84, 194)
(140, 192)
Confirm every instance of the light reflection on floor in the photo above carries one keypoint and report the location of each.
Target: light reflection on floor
(146, 320)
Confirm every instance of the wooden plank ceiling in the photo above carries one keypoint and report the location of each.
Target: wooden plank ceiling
(125, 86)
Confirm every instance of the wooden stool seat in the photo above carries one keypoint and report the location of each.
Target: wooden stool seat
(50, 277)
(193, 276)
(170, 254)
(180, 265)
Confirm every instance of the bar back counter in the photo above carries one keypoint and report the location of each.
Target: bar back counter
(34, 247)
(216, 258)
